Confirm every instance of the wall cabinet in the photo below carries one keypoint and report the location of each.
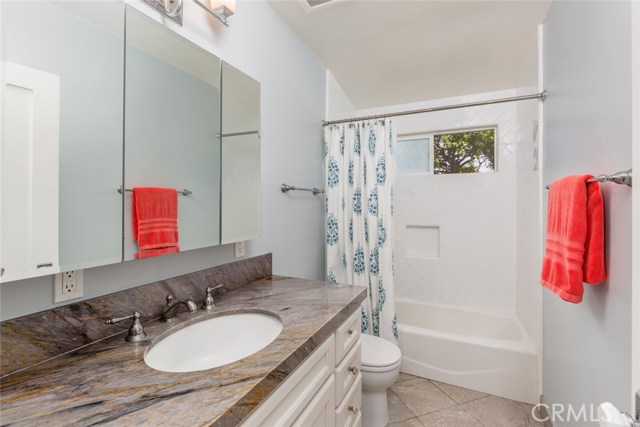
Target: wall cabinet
(171, 128)
(320, 392)
(61, 152)
(29, 172)
(89, 109)
(240, 217)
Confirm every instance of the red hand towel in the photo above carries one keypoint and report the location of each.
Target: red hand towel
(155, 220)
(157, 252)
(574, 250)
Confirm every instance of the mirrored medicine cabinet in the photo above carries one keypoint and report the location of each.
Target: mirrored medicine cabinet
(88, 114)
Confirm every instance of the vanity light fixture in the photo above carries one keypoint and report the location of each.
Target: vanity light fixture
(172, 9)
(221, 9)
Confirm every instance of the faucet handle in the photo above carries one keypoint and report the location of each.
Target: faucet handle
(208, 303)
(136, 331)
(213, 288)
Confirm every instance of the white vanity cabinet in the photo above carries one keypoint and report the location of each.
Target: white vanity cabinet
(347, 373)
(324, 391)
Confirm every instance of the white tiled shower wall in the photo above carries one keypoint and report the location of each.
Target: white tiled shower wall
(475, 213)
(488, 225)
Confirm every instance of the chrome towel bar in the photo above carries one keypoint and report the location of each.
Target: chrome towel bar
(623, 178)
(285, 188)
(183, 192)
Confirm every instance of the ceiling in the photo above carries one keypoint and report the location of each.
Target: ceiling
(387, 52)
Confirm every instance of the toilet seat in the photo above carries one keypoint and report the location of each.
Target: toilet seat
(378, 354)
(374, 369)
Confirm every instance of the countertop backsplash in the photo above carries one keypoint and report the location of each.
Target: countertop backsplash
(31, 339)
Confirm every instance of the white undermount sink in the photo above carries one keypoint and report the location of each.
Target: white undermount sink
(213, 342)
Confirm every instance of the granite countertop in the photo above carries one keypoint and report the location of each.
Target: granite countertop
(107, 383)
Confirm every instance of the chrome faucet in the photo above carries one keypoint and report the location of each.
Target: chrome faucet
(136, 332)
(208, 303)
(171, 307)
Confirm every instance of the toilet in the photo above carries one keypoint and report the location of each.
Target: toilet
(380, 369)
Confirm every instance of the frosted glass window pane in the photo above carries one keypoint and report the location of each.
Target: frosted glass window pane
(413, 156)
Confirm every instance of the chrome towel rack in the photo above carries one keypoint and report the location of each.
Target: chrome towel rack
(285, 188)
(183, 192)
(622, 178)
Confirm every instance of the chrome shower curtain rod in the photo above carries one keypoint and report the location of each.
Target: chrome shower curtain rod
(541, 96)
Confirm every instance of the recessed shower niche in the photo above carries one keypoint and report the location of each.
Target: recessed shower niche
(422, 241)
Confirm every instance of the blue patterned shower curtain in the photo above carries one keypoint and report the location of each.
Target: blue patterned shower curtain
(359, 169)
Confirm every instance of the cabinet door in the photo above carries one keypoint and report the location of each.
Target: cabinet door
(290, 399)
(240, 187)
(172, 122)
(240, 156)
(320, 412)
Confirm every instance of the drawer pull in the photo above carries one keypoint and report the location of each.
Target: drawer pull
(353, 409)
(353, 370)
(350, 332)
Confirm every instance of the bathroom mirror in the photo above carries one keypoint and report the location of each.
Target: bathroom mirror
(172, 123)
(65, 165)
(62, 122)
(240, 156)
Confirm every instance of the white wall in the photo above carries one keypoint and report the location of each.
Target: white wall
(587, 129)
(260, 44)
(338, 104)
(635, 44)
(476, 214)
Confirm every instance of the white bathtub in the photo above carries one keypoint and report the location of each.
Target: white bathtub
(480, 351)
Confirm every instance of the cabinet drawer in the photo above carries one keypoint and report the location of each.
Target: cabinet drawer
(320, 411)
(347, 335)
(287, 401)
(348, 412)
(347, 372)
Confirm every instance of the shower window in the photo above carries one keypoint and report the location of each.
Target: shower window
(461, 151)
(465, 152)
(413, 155)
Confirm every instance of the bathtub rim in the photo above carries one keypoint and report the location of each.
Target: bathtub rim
(523, 345)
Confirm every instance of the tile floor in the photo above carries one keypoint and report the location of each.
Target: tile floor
(416, 402)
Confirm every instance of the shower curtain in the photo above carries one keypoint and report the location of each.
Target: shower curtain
(359, 226)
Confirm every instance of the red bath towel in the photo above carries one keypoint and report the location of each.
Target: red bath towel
(574, 250)
(155, 220)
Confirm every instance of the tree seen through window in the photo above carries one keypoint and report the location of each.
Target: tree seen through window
(464, 152)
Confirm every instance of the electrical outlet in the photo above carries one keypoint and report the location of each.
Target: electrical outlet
(240, 249)
(67, 285)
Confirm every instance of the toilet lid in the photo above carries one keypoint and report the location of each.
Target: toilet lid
(378, 352)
